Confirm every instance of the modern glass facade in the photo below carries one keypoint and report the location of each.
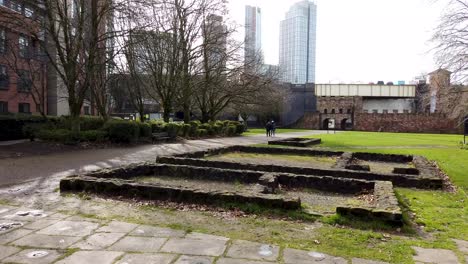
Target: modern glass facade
(253, 32)
(298, 43)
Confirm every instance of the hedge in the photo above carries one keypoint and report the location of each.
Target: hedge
(145, 130)
(122, 131)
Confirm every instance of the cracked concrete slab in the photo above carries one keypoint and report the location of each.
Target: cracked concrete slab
(70, 228)
(240, 261)
(46, 241)
(117, 227)
(152, 231)
(252, 250)
(194, 260)
(91, 257)
(203, 247)
(366, 261)
(294, 256)
(138, 244)
(6, 251)
(6, 238)
(99, 241)
(147, 258)
(34, 256)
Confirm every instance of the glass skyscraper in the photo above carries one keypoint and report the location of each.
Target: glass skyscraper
(297, 43)
(253, 33)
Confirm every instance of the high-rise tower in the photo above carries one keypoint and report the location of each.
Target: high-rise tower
(298, 43)
(253, 34)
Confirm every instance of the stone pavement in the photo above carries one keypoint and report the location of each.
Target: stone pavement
(35, 236)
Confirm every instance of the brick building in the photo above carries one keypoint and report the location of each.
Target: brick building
(23, 64)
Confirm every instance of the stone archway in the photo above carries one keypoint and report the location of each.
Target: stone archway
(346, 124)
(325, 123)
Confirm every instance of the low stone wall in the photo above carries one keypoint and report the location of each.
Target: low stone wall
(400, 180)
(409, 123)
(132, 189)
(386, 206)
(115, 182)
(382, 157)
(296, 142)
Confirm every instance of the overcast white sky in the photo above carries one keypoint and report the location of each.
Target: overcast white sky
(358, 40)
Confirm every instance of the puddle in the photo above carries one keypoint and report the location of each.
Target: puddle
(265, 250)
(8, 226)
(37, 254)
(317, 256)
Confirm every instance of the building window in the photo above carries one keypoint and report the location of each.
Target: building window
(341, 111)
(86, 110)
(28, 11)
(3, 40)
(395, 111)
(375, 111)
(24, 82)
(3, 107)
(4, 80)
(348, 111)
(333, 111)
(23, 108)
(15, 5)
(24, 44)
(385, 111)
(325, 111)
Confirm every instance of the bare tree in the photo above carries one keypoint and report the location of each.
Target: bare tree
(77, 38)
(451, 38)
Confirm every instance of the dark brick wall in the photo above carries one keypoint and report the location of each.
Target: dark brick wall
(411, 123)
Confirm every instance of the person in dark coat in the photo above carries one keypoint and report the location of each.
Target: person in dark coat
(268, 129)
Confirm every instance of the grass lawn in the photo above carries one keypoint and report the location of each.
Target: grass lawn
(443, 215)
(262, 131)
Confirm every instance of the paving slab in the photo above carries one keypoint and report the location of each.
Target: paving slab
(462, 245)
(366, 261)
(147, 259)
(294, 256)
(117, 227)
(6, 251)
(34, 256)
(202, 247)
(252, 250)
(240, 261)
(4, 209)
(91, 257)
(58, 216)
(46, 241)
(99, 241)
(6, 238)
(70, 228)
(439, 256)
(77, 218)
(40, 224)
(195, 235)
(139, 244)
(153, 231)
(194, 260)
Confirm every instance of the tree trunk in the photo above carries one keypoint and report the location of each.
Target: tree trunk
(166, 115)
(186, 113)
